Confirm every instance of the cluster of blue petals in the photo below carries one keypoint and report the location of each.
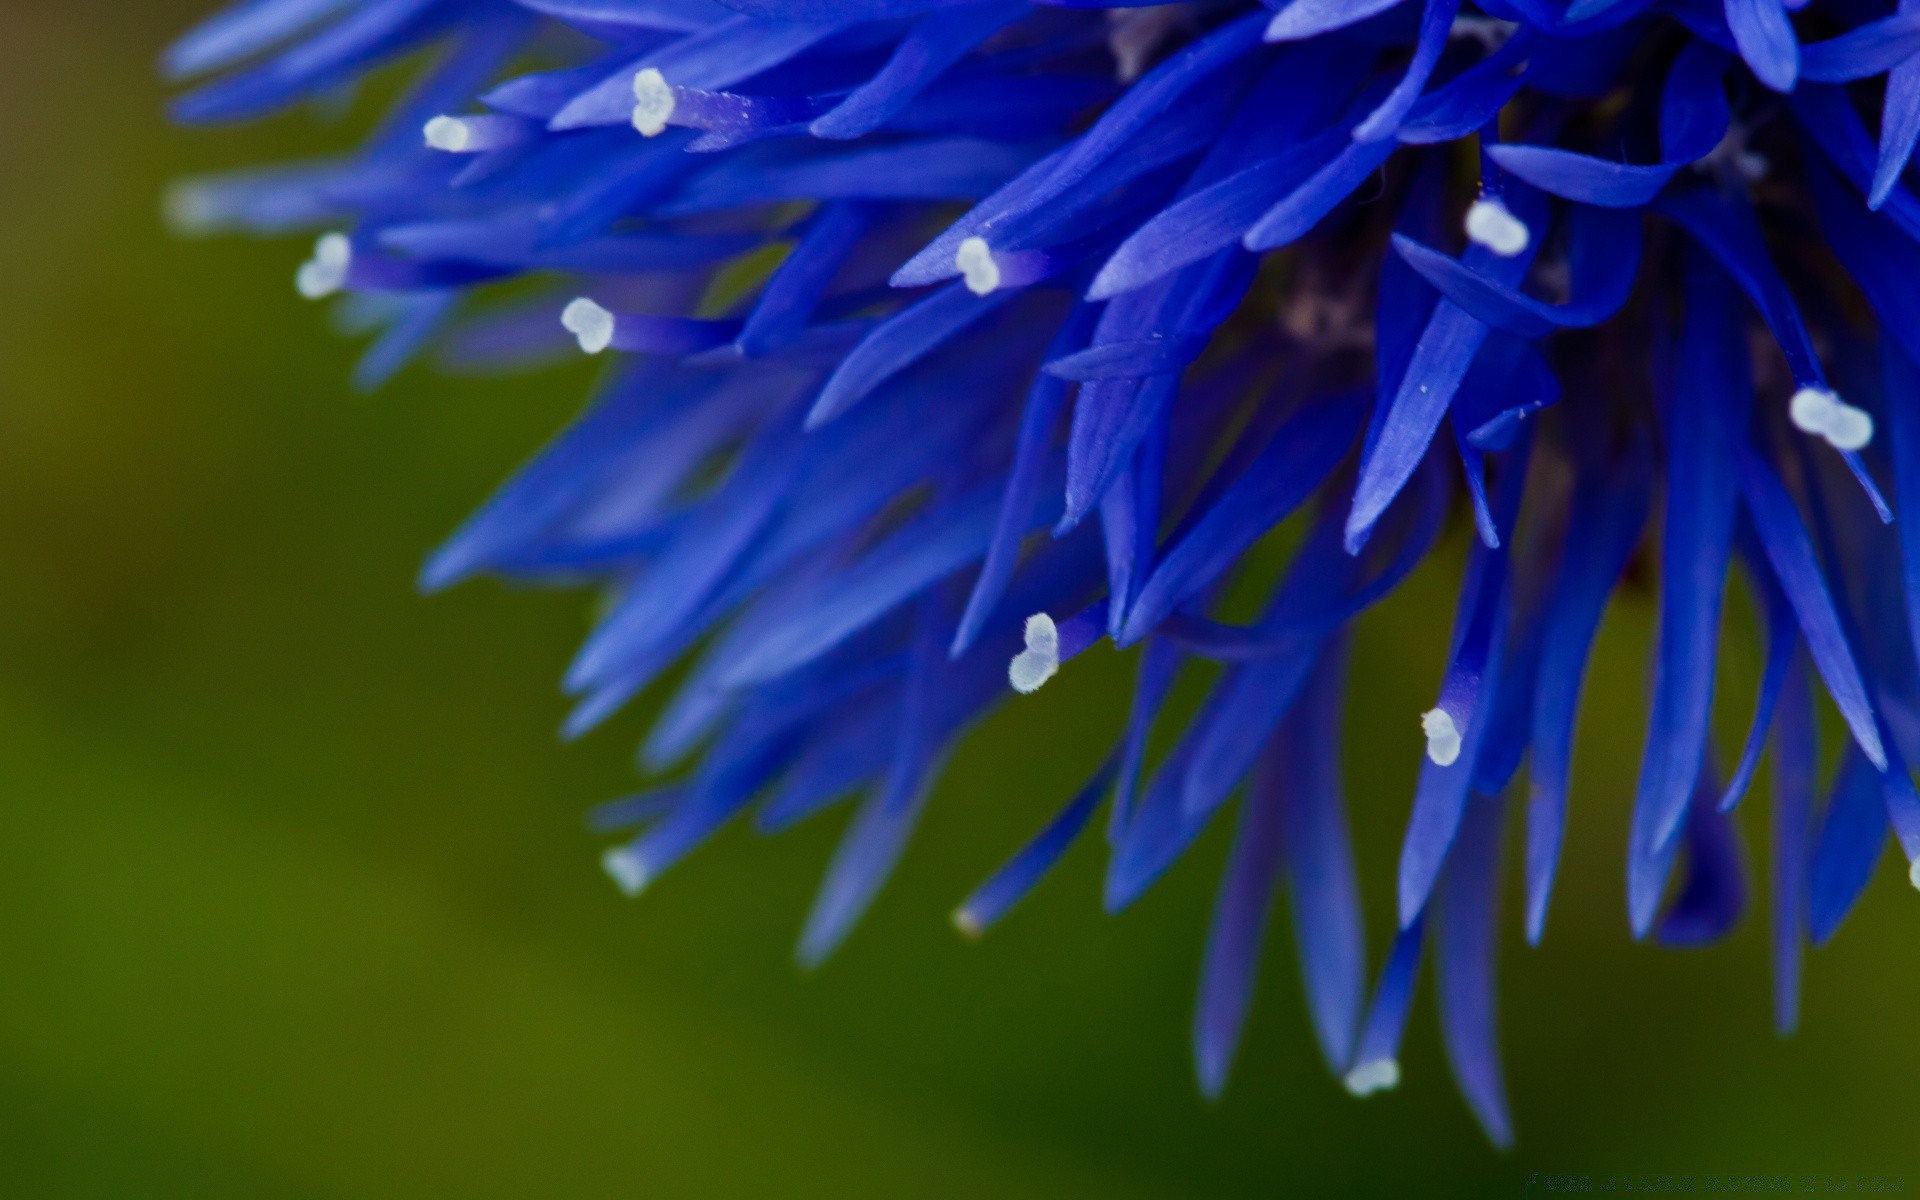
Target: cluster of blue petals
(947, 339)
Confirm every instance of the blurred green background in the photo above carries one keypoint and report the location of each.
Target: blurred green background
(295, 899)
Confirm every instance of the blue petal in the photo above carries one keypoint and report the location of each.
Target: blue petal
(1715, 892)
(1470, 99)
(1899, 124)
(1795, 752)
(1472, 678)
(1210, 219)
(242, 31)
(872, 845)
(1705, 422)
(1436, 24)
(1046, 396)
(1322, 882)
(1376, 1058)
(1863, 51)
(1302, 209)
(1234, 939)
(1581, 177)
(1783, 638)
(935, 43)
(1604, 260)
(1765, 37)
(1009, 885)
(1608, 514)
(1439, 363)
(793, 291)
(718, 56)
(1790, 551)
(898, 343)
(1465, 967)
(1287, 471)
(1853, 834)
(1159, 663)
(1303, 19)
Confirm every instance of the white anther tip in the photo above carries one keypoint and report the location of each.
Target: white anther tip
(1820, 412)
(188, 209)
(1850, 428)
(1040, 660)
(974, 260)
(1380, 1075)
(1913, 873)
(450, 134)
(1491, 224)
(625, 869)
(590, 323)
(653, 102)
(326, 272)
(1443, 736)
(967, 923)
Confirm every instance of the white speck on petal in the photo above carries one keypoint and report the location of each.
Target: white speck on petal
(1491, 224)
(590, 323)
(1039, 662)
(653, 102)
(1380, 1075)
(1443, 736)
(974, 259)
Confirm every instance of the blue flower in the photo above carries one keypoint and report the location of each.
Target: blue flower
(948, 339)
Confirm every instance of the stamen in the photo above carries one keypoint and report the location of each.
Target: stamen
(652, 102)
(590, 323)
(448, 133)
(1443, 736)
(473, 135)
(1491, 224)
(974, 259)
(967, 923)
(625, 869)
(1040, 660)
(326, 272)
(1821, 412)
(1380, 1075)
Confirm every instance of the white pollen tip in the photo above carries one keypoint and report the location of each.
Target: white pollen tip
(1040, 661)
(974, 259)
(1913, 873)
(590, 323)
(625, 870)
(189, 209)
(1818, 411)
(653, 102)
(967, 923)
(1491, 224)
(1850, 429)
(1443, 736)
(447, 133)
(1380, 1075)
(326, 272)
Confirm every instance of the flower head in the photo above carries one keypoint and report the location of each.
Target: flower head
(947, 339)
